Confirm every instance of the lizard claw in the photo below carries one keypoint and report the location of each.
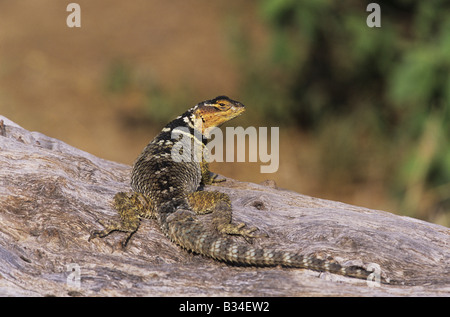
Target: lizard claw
(248, 234)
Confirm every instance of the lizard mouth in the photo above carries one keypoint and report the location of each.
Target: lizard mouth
(238, 110)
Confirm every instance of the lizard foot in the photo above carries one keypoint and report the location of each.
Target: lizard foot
(109, 228)
(241, 230)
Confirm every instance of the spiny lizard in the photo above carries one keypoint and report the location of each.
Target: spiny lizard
(167, 182)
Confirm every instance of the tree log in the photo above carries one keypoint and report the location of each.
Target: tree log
(52, 195)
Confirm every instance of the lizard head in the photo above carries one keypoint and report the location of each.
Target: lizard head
(213, 113)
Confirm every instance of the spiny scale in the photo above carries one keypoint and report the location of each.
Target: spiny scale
(169, 191)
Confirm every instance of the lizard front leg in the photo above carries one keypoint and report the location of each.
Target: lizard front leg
(208, 177)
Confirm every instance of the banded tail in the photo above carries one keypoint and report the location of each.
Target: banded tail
(186, 231)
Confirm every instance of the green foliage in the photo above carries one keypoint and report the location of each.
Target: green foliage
(118, 78)
(325, 67)
(157, 103)
(160, 104)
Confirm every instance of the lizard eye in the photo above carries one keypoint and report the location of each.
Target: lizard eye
(220, 106)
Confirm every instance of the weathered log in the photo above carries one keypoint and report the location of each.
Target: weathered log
(52, 195)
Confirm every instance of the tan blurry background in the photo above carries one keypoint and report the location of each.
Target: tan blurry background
(109, 86)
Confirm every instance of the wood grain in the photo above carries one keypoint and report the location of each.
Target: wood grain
(52, 195)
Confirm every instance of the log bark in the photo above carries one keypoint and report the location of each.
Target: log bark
(52, 195)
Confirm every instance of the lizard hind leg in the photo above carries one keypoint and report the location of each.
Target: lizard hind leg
(131, 207)
(219, 205)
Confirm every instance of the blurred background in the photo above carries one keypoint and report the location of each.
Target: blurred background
(363, 112)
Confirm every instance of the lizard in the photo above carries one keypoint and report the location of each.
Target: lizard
(167, 181)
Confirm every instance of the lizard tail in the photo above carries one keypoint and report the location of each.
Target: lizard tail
(186, 231)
